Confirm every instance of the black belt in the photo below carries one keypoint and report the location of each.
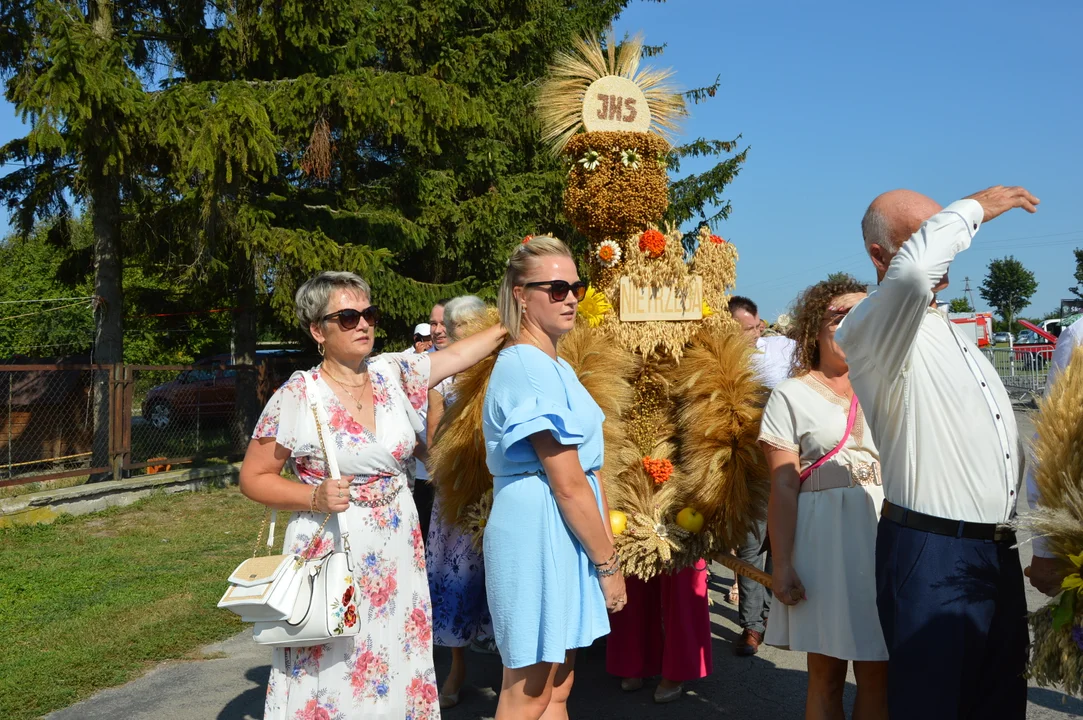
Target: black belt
(943, 526)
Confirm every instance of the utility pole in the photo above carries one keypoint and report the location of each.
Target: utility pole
(969, 293)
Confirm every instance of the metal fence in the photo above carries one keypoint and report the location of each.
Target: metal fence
(114, 421)
(1022, 369)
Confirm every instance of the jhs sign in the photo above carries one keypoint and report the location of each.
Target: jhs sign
(614, 107)
(615, 104)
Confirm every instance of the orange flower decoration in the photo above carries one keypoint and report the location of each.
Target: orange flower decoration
(653, 243)
(527, 239)
(658, 469)
(717, 240)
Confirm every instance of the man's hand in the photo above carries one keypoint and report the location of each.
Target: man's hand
(998, 200)
(1045, 574)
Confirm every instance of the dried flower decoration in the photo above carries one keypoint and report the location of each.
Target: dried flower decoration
(718, 240)
(653, 243)
(608, 253)
(659, 469)
(590, 160)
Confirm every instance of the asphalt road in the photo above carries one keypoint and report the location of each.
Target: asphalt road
(770, 685)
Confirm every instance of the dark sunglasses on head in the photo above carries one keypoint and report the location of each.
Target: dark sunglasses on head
(559, 289)
(348, 318)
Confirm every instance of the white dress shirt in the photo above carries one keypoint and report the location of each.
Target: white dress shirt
(1070, 338)
(944, 424)
(772, 359)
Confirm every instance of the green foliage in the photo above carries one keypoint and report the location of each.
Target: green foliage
(1077, 290)
(393, 138)
(960, 305)
(1008, 287)
(150, 573)
(37, 267)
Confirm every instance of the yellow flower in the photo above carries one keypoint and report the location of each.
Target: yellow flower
(1074, 581)
(594, 306)
(707, 311)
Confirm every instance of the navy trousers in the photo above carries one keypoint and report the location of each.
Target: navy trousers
(954, 616)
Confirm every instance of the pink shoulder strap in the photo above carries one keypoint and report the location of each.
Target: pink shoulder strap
(850, 419)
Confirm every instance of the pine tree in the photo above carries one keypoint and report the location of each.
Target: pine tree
(394, 138)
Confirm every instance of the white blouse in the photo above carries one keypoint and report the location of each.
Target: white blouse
(807, 417)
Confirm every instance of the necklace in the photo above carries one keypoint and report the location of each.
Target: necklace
(344, 386)
(530, 336)
(340, 382)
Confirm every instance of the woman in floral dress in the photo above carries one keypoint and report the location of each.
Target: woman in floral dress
(386, 671)
(456, 571)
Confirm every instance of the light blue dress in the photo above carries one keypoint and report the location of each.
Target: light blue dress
(542, 589)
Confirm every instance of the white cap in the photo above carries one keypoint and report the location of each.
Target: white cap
(422, 329)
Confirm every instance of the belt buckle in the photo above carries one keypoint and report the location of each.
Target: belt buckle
(1001, 533)
(863, 473)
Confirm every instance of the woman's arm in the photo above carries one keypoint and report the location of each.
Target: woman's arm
(605, 509)
(573, 495)
(782, 520)
(262, 481)
(464, 354)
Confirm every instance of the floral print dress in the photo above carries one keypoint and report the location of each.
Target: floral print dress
(386, 671)
(456, 572)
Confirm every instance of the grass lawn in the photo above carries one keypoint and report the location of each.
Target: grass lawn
(94, 601)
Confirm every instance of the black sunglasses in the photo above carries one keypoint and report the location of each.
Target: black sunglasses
(348, 318)
(559, 289)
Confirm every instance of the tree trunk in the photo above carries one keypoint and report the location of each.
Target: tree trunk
(249, 380)
(109, 290)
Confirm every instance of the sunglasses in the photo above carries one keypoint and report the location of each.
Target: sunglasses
(348, 318)
(559, 289)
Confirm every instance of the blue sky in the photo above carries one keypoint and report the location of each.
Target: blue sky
(843, 100)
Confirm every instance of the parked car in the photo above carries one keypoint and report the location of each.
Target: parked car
(1002, 338)
(209, 389)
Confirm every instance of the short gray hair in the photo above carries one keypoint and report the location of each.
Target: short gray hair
(876, 230)
(461, 310)
(312, 297)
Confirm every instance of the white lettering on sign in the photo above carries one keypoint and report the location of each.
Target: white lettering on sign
(640, 304)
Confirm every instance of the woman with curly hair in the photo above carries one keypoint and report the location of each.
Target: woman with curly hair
(825, 499)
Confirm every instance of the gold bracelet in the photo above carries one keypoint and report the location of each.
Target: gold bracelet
(312, 501)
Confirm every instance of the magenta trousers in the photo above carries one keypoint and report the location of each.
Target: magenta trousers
(665, 629)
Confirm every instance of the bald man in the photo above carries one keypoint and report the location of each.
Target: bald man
(949, 586)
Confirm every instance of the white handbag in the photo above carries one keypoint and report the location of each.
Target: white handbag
(294, 601)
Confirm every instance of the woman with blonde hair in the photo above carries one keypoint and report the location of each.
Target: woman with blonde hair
(825, 502)
(551, 568)
(385, 671)
(456, 572)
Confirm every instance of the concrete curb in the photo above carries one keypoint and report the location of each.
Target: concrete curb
(47, 505)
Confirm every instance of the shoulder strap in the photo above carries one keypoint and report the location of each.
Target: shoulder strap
(320, 414)
(850, 420)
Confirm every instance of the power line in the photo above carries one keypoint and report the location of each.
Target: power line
(40, 312)
(43, 300)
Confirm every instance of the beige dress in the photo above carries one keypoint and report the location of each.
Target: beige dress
(834, 550)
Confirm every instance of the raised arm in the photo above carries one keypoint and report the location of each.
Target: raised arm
(464, 354)
(882, 327)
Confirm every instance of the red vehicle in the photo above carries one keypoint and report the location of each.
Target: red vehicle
(209, 390)
(1039, 352)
